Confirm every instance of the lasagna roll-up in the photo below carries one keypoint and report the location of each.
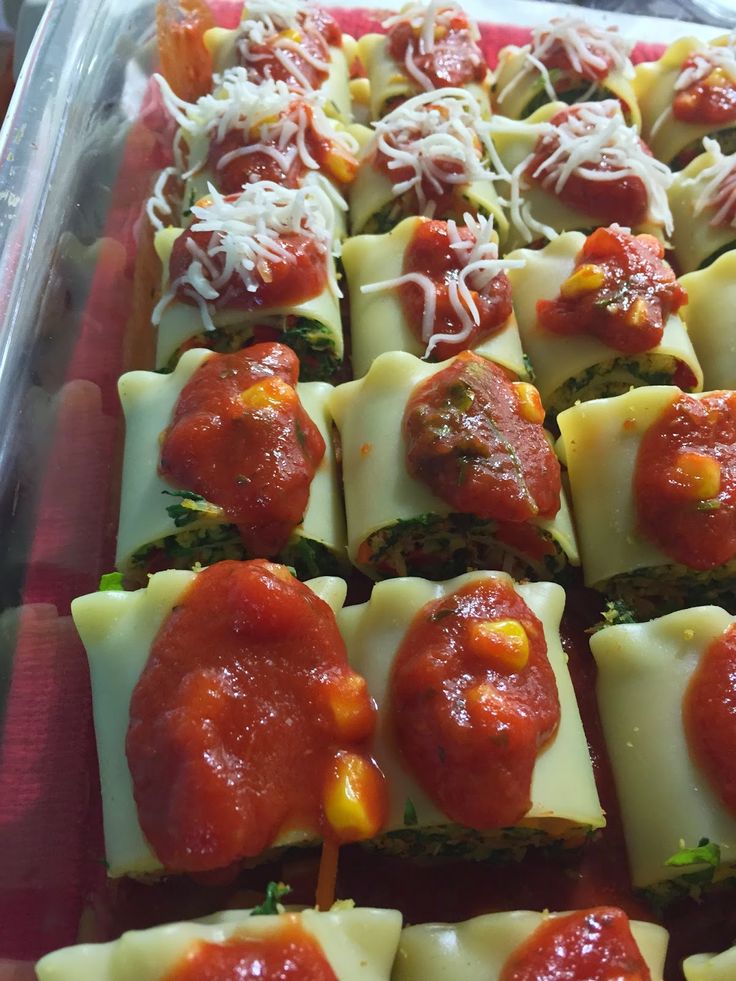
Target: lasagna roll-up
(590, 943)
(432, 288)
(686, 95)
(432, 156)
(710, 967)
(711, 300)
(490, 648)
(447, 468)
(293, 41)
(227, 719)
(599, 315)
(653, 482)
(427, 46)
(257, 265)
(228, 457)
(346, 944)
(245, 132)
(567, 60)
(573, 168)
(703, 202)
(665, 688)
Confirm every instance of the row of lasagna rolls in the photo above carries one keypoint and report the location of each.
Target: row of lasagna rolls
(663, 691)
(651, 480)
(119, 629)
(369, 944)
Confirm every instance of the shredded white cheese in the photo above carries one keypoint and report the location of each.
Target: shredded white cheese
(280, 24)
(271, 118)
(704, 62)
(429, 22)
(718, 190)
(246, 237)
(441, 138)
(592, 134)
(158, 204)
(589, 49)
(479, 265)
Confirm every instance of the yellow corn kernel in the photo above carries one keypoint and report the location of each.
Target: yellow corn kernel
(585, 279)
(341, 165)
(719, 78)
(291, 34)
(530, 402)
(351, 783)
(351, 707)
(360, 91)
(482, 700)
(638, 313)
(270, 393)
(699, 474)
(502, 642)
(204, 202)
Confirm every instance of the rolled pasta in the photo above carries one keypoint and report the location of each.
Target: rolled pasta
(478, 949)
(567, 59)
(710, 967)
(396, 524)
(564, 801)
(356, 943)
(153, 526)
(708, 314)
(686, 95)
(644, 671)
(383, 314)
(580, 365)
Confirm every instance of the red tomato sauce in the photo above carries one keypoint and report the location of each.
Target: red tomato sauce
(455, 60)
(186, 64)
(469, 718)
(621, 291)
(431, 254)
(468, 439)
(685, 481)
(589, 945)
(446, 202)
(239, 717)
(298, 276)
(709, 101)
(281, 954)
(305, 57)
(709, 718)
(260, 165)
(240, 438)
(620, 199)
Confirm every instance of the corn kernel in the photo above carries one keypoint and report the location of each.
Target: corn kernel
(204, 202)
(351, 707)
(291, 34)
(351, 786)
(502, 642)
(638, 313)
(270, 393)
(585, 279)
(481, 700)
(343, 166)
(530, 403)
(699, 475)
(360, 91)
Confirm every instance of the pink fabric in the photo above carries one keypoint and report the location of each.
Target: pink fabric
(51, 850)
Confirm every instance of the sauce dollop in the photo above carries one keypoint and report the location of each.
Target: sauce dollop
(186, 63)
(294, 272)
(476, 439)
(710, 99)
(709, 716)
(473, 699)
(244, 710)
(589, 945)
(455, 58)
(299, 57)
(240, 437)
(685, 481)
(621, 291)
(432, 254)
(286, 953)
(608, 199)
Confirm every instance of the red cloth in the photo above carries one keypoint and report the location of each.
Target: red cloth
(51, 850)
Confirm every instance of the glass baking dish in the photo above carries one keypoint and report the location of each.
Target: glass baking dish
(75, 170)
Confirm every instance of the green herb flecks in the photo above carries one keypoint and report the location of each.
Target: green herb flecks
(191, 508)
(461, 395)
(410, 813)
(112, 582)
(706, 853)
(275, 892)
(710, 504)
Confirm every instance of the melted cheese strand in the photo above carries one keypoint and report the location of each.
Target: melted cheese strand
(594, 132)
(479, 266)
(245, 236)
(431, 130)
(157, 204)
(719, 190)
